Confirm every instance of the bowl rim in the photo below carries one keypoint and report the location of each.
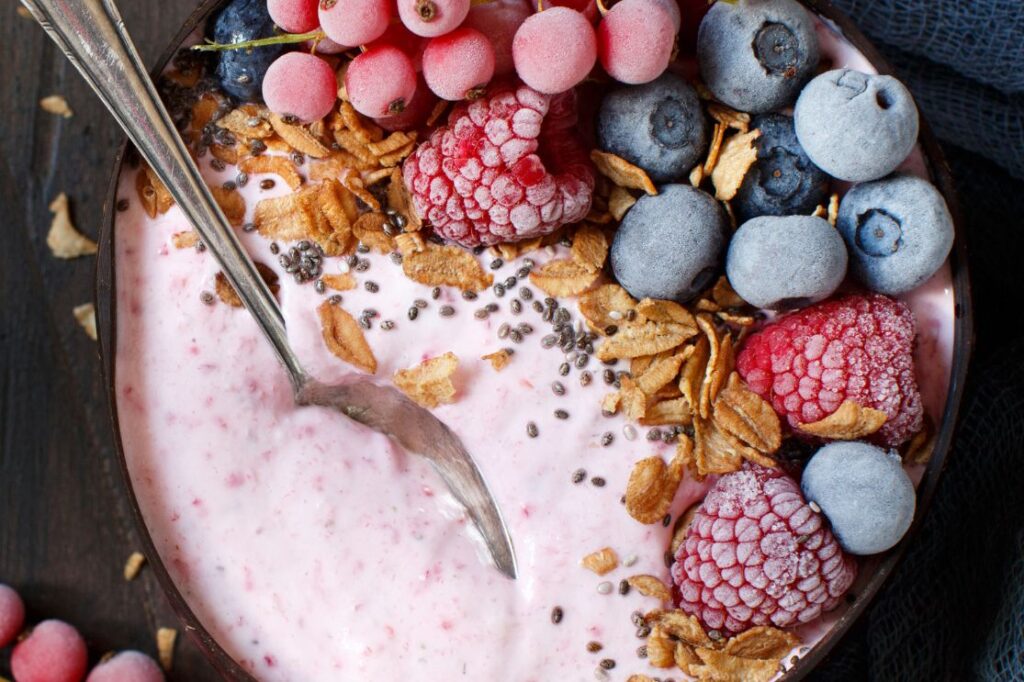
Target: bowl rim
(963, 342)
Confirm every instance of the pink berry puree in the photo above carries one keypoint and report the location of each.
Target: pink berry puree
(313, 549)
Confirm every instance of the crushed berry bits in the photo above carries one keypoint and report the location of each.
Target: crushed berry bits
(506, 167)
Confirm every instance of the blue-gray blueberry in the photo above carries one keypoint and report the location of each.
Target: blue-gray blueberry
(241, 72)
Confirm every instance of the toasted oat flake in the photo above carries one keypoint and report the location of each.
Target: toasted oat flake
(232, 203)
(564, 277)
(164, 201)
(652, 486)
(340, 282)
(715, 148)
(240, 122)
(720, 364)
(725, 296)
(299, 138)
(666, 311)
(499, 359)
(430, 382)
(134, 565)
(850, 422)
(692, 373)
(685, 657)
(452, 266)
(86, 316)
(165, 640)
(718, 666)
(683, 527)
(185, 240)
(644, 338)
(63, 239)
(344, 337)
(369, 229)
(605, 306)
(620, 201)
(409, 242)
(748, 416)
(920, 448)
(57, 105)
(660, 648)
(659, 372)
(610, 403)
(590, 246)
(675, 411)
(737, 156)
(762, 642)
(292, 217)
(634, 401)
(718, 452)
(622, 172)
(681, 625)
(727, 116)
(225, 292)
(639, 678)
(602, 561)
(833, 209)
(696, 175)
(277, 165)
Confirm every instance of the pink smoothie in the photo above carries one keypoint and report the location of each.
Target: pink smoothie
(314, 549)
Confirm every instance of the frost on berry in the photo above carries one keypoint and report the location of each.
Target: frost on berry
(506, 167)
(859, 348)
(758, 554)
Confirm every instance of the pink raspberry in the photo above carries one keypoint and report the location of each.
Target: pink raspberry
(12, 615)
(53, 652)
(506, 167)
(757, 554)
(858, 348)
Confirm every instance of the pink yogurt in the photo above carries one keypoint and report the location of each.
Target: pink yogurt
(314, 549)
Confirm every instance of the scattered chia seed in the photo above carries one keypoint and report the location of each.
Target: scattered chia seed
(537, 306)
(387, 325)
(611, 330)
(607, 663)
(607, 438)
(365, 323)
(499, 290)
(274, 248)
(122, 205)
(207, 298)
(558, 388)
(516, 336)
(363, 265)
(637, 619)
(666, 521)
(413, 313)
(549, 341)
(562, 315)
(531, 429)
(557, 614)
(517, 306)
(469, 295)
(370, 312)
(608, 376)
(629, 431)
(654, 434)
(564, 368)
(561, 414)
(582, 360)
(504, 330)
(481, 314)
(641, 651)
(623, 587)
(630, 560)
(510, 283)
(335, 299)
(594, 647)
(669, 559)
(497, 263)
(396, 258)
(435, 293)
(598, 481)
(526, 293)
(217, 164)
(525, 328)
(586, 378)
(579, 476)
(604, 587)
(631, 315)
(615, 315)
(267, 183)
(319, 286)
(229, 185)
(492, 307)
(419, 303)
(447, 311)
(643, 632)
(257, 147)
(362, 248)
(372, 286)
(523, 272)
(716, 635)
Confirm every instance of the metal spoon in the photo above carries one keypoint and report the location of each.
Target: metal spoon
(92, 35)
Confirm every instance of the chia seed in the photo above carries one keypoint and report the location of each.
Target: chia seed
(557, 614)
(561, 414)
(335, 299)
(579, 476)
(274, 248)
(419, 303)
(594, 647)
(435, 293)
(526, 293)
(629, 431)
(217, 164)
(372, 286)
(504, 330)
(365, 323)
(522, 272)
(598, 481)
(531, 429)
(641, 651)
(604, 587)
(607, 663)
(413, 313)
(396, 258)
(362, 248)
(319, 286)
(469, 295)
(586, 378)
(267, 183)
(558, 388)
(607, 438)
(549, 341)
(582, 360)
(447, 311)
(611, 330)
(643, 632)
(481, 314)
(516, 336)
(122, 205)
(608, 376)
(564, 368)
(242, 179)
(537, 306)
(517, 306)
(229, 185)
(510, 282)
(387, 325)
(637, 618)
(623, 587)
(499, 290)
(491, 307)
(206, 297)
(497, 263)
(654, 434)
(363, 265)
(666, 521)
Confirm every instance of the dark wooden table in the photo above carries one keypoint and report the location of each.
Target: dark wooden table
(65, 525)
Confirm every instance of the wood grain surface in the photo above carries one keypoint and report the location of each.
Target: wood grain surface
(65, 526)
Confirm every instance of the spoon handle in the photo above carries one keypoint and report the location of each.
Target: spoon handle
(91, 34)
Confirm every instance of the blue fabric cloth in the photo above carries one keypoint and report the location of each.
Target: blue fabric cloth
(954, 609)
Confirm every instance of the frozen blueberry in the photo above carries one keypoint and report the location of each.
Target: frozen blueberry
(669, 246)
(856, 126)
(659, 126)
(864, 493)
(755, 55)
(781, 263)
(898, 230)
(783, 180)
(241, 72)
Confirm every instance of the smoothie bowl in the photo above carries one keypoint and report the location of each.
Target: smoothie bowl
(705, 336)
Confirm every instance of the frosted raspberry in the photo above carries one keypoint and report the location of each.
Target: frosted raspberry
(12, 615)
(127, 666)
(506, 167)
(757, 554)
(53, 652)
(857, 348)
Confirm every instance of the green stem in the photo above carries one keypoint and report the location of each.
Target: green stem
(283, 39)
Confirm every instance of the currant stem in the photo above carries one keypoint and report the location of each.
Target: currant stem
(283, 39)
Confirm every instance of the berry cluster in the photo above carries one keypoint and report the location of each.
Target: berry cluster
(408, 48)
(54, 651)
